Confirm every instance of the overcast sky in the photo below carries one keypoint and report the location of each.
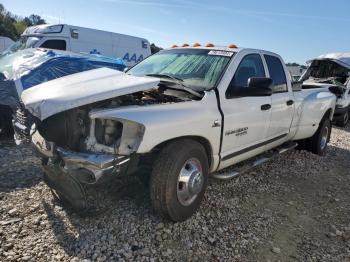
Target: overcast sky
(297, 30)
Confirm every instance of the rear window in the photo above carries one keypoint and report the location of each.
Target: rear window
(277, 73)
(54, 44)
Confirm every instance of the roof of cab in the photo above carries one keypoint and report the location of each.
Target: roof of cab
(225, 48)
(221, 48)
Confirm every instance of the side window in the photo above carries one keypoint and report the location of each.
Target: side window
(54, 44)
(250, 66)
(277, 74)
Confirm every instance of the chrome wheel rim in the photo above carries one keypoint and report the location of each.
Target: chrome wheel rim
(324, 137)
(190, 182)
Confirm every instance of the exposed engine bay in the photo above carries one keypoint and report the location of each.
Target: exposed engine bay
(73, 129)
(327, 72)
(327, 69)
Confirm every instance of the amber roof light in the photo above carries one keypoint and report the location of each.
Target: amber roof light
(209, 45)
(232, 46)
(185, 45)
(173, 46)
(196, 44)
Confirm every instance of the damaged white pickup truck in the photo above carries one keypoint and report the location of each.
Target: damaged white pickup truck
(186, 112)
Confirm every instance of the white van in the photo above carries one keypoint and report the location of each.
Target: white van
(79, 39)
(5, 42)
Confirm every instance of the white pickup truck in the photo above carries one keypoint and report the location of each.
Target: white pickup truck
(185, 111)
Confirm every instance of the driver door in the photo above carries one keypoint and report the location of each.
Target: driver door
(246, 119)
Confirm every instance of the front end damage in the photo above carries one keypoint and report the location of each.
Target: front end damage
(70, 173)
(80, 148)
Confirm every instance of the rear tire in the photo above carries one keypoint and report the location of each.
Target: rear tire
(179, 178)
(317, 144)
(344, 120)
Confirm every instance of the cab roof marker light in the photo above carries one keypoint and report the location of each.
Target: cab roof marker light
(209, 45)
(196, 44)
(185, 45)
(173, 46)
(232, 46)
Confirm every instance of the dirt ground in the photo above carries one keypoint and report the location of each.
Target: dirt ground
(293, 208)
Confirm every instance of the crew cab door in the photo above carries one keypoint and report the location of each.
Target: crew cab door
(245, 118)
(282, 107)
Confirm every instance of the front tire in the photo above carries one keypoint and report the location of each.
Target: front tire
(179, 178)
(317, 144)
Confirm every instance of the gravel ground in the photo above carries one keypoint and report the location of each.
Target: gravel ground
(294, 208)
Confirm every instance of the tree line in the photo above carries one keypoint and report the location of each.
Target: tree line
(13, 26)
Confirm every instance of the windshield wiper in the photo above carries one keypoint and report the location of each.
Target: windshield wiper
(167, 76)
(180, 83)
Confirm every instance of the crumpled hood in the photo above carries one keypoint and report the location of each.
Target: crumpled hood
(80, 89)
(341, 58)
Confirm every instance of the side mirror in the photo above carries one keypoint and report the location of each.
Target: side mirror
(261, 83)
(125, 69)
(256, 86)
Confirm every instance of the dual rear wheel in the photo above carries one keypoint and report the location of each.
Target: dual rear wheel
(317, 144)
(344, 119)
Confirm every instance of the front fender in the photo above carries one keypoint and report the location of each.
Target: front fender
(164, 122)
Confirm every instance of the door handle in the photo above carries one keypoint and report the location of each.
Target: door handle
(290, 102)
(265, 107)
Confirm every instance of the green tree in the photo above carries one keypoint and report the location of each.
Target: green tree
(34, 20)
(7, 21)
(155, 49)
(20, 27)
(292, 64)
(13, 26)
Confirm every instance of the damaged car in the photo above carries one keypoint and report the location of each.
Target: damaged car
(26, 68)
(183, 113)
(332, 72)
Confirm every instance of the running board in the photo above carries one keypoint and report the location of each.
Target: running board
(257, 162)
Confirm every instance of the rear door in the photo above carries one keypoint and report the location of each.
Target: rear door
(245, 118)
(282, 107)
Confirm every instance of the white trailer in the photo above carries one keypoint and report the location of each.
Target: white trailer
(79, 39)
(5, 42)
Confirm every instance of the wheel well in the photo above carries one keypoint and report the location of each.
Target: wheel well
(203, 141)
(327, 114)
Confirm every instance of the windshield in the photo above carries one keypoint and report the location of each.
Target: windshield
(197, 69)
(22, 43)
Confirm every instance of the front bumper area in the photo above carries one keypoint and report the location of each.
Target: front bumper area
(70, 173)
(98, 165)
